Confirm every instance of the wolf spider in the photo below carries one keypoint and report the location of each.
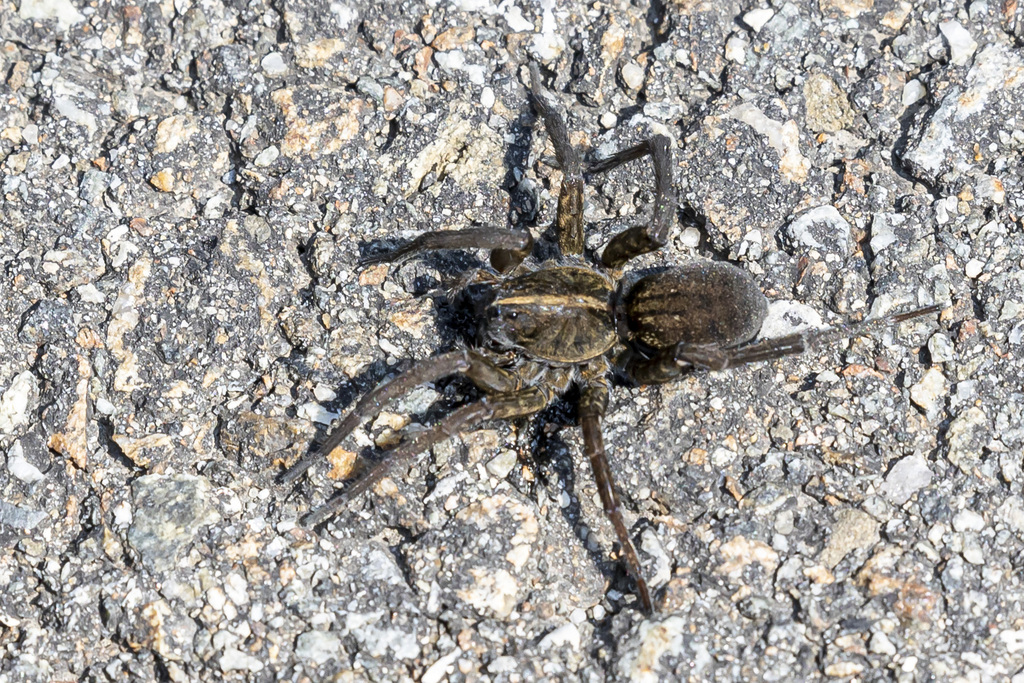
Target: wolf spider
(567, 321)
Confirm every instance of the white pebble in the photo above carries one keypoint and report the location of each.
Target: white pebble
(736, 49)
(438, 671)
(909, 475)
(880, 644)
(788, 317)
(453, 60)
(216, 598)
(236, 660)
(961, 45)
(973, 268)
(972, 551)
(502, 665)
(913, 91)
(632, 75)
(930, 392)
(566, 634)
(722, 456)
(757, 18)
(968, 520)
(14, 403)
(314, 412)
(1013, 640)
(988, 187)
(318, 647)
(236, 588)
(690, 237)
(487, 98)
(941, 348)
(267, 156)
(274, 64)
(502, 464)
(90, 294)
(104, 406)
(20, 467)
(324, 393)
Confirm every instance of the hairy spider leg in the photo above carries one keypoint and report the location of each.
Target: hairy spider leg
(498, 239)
(640, 239)
(593, 405)
(674, 361)
(569, 217)
(497, 406)
(479, 369)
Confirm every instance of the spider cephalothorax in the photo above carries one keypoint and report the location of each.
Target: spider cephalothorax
(552, 324)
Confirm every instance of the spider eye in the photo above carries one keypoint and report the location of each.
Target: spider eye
(513, 315)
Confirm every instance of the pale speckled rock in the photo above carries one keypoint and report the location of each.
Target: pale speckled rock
(853, 530)
(18, 517)
(234, 659)
(644, 651)
(828, 109)
(967, 434)
(169, 512)
(788, 317)
(822, 229)
(16, 400)
(318, 647)
(944, 143)
(929, 392)
(961, 44)
(909, 475)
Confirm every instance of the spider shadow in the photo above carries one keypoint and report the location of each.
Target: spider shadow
(524, 203)
(458, 325)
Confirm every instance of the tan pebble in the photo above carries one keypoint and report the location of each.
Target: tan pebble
(453, 38)
(163, 180)
(172, 132)
(19, 75)
(612, 42)
(421, 62)
(88, 339)
(392, 99)
(849, 8)
(843, 669)
(373, 276)
(819, 574)
(315, 54)
(341, 462)
(141, 226)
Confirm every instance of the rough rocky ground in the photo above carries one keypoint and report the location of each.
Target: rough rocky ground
(186, 189)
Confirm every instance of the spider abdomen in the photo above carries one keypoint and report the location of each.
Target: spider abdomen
(561, 314)
(700, 303)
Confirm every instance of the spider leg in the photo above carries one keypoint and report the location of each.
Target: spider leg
(641, 239)
(570, 196)
(621, 157)
(517, 242)
(499, 406)
(480, 370)
(670, 363)
(593, 404)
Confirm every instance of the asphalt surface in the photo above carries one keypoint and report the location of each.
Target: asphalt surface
(186, 190)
